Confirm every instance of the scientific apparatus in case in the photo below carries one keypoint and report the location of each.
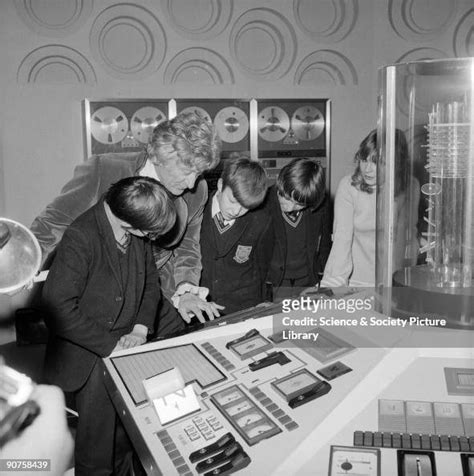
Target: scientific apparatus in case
(425, 201)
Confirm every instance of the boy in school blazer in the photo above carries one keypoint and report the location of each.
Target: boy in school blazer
(102, 295)
(302, 227)
(236, 237)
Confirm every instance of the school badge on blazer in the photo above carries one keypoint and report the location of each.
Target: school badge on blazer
(242, 254)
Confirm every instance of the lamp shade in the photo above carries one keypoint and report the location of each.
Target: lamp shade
(20, 256)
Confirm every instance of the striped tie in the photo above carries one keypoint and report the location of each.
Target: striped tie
(220, 224)
(124, 244)
(220, 219)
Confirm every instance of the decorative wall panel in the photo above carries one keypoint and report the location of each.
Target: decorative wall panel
(326, 66)
(54, 18)
(128, 40)
(199, 65)
(418, 54)
(55, 64)
(263, 44)
(421, 20)
(464, 35)
(206, 19)
(327, 22)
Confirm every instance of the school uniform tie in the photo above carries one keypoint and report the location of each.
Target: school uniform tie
(220, 219)
(220, 223)
(293, 217)
(124, 243)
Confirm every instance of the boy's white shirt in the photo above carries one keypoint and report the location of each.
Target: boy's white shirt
(215, 209)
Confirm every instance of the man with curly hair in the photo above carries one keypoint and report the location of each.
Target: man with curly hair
(178, 152)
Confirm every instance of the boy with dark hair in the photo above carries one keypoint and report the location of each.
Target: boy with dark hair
(302, 229)
(101, 295)
(236, 237)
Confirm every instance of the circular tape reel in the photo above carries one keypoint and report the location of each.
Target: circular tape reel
(232, 124)
(307, 123)
(273, 124)
(143, 121)
(109, 125)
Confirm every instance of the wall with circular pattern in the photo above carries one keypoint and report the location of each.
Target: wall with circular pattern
(56, 63)
(463, 40)
(198, 65)
(326, 22)
(55, 53)
(207, 20)
(128, 41)
(263, 44)
(326, 64)
(421, 20)
(245, 42)
(54, 18)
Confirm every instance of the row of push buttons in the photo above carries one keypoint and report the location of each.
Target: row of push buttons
(178, 461)
(229, 366)
(413, 441)
(274, 409)
(204, 428)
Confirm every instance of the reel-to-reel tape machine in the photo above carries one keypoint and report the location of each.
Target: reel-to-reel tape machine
(290, 128)
(274, 131)
(306, 124)
(121, 125)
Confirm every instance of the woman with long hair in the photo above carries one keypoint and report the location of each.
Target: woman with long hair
(352, 258)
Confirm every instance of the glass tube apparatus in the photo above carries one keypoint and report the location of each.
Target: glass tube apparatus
(425, 201)
(448, 233)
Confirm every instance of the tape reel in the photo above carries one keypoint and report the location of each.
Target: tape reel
(199, 110)
(143, 121)
(232, 124)
(307, 123)
(109, 125)
(273, 124)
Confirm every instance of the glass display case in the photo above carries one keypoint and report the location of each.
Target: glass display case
(425, 202)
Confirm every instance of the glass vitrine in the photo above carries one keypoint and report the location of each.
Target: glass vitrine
(425, 202)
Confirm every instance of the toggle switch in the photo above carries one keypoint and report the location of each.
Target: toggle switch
(219, 459)
(208, 451)
(416, 464)
(239, 461)
(271, 359)
(317, 391)
(467, 461)
(248, 335)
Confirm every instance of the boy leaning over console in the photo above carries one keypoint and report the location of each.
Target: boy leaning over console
(299, 207)
(236, 237)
